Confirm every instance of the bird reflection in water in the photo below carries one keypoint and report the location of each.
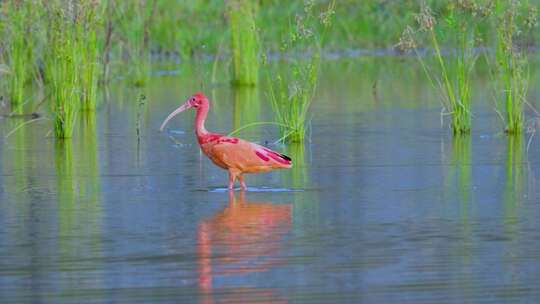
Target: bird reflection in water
(243, 238)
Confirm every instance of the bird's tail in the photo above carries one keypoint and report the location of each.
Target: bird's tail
(282, 160)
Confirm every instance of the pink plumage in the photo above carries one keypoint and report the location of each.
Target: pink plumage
(230, 153)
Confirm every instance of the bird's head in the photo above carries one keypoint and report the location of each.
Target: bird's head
(197, 100)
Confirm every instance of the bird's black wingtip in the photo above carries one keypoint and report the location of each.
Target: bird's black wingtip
(286, 157)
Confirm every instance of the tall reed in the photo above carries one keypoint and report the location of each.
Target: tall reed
(292, 87)
(244, 41)
(19, 49)
(512, 72)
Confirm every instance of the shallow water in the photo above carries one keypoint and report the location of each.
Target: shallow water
(383, 205)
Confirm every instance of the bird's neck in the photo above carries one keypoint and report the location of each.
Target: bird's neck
(202, 112)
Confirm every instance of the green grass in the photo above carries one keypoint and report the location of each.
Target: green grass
(133, 20)
(62, 68)
(511, 69)
(291, 95)
(19, 51)
(199, 26)
(244, 42)
(452, 71)
(70, 40)
(71, 62)
(293, 85)
(188, 28)
(87, 30)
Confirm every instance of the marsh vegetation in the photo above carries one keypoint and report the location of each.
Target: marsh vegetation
(64, 50)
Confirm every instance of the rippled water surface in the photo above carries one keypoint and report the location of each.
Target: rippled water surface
(383, 205)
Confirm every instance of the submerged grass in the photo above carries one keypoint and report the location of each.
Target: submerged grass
(244, 42)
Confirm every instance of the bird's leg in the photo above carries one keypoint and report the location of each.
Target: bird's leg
(232, 177)
(242, 183)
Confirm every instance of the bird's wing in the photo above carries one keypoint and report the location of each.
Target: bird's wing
(246, 156)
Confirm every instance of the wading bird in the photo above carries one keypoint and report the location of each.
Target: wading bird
(230, 153)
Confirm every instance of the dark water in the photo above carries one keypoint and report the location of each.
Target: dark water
(383, 205)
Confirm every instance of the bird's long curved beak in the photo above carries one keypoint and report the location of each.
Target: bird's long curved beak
(182, 108)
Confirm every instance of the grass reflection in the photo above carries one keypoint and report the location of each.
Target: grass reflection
(461, 153)
(247, 109)
(306, 207)
(79, 202)
(514, 181)
(66, 196)
(298, 176)
(458, 183)
(19, 157)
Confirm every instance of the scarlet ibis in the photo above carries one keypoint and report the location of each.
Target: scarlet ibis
(230, 153)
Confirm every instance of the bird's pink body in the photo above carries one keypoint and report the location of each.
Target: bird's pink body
(230, 153)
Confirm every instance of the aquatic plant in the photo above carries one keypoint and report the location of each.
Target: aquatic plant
(244, 41)
(62, 66)
(291, 99)
(511, 69)
(19, 49)
(453, 67)
(292, 87)
(71, 62)
(140, 109)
